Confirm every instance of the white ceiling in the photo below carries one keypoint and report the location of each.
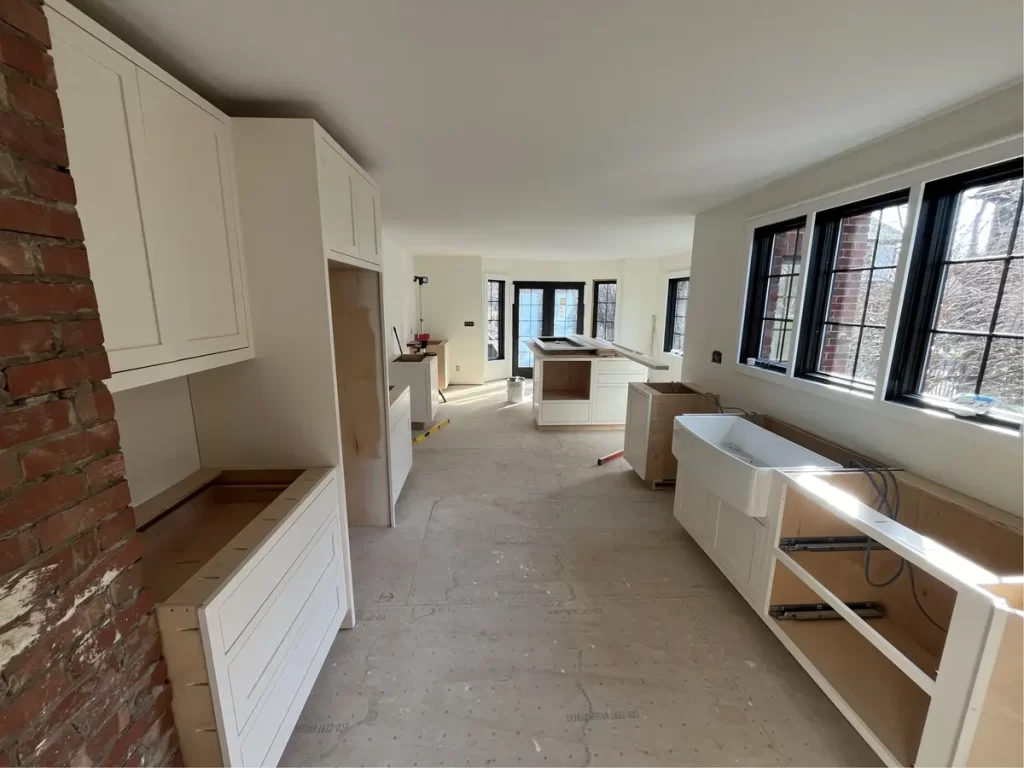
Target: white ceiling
(578, 128)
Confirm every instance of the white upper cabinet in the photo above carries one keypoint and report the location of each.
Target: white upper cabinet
(349, 206)
(337, 212)
(367, 216)
(99, 96)
(190, 206)
(153, 168)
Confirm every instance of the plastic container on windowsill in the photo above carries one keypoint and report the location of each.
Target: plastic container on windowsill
(969, 404)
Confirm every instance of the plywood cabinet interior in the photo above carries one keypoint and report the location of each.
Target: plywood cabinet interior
(154, 173)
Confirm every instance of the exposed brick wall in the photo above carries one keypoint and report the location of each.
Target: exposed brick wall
(81, 675)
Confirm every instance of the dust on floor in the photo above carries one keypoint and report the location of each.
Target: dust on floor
(532, 608)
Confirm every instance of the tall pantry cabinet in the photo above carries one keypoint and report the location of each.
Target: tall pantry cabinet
(154, 171)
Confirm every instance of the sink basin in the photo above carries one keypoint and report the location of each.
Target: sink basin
(735, 458)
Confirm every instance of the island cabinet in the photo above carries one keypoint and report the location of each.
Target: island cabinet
(154, 175)
(587, 386)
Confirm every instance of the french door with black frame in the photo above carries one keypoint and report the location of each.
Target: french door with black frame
(543, 309)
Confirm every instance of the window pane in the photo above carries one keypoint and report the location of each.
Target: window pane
(774, 341)
(846, 300)
(870, 353)
(838, 349)
(1011, 309)
(778, 297)
(984, 221)
(879, 296)
(890, 235)
(682, 289)
(1004, 374)
(857, 240)
(969, 296)
(953, 365)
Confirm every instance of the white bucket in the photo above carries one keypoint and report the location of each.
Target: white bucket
(516, 389)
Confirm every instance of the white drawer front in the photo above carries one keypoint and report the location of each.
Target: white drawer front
(262, 652)
(565, 413)
(239, 607)
(317, 623)
(619, 378)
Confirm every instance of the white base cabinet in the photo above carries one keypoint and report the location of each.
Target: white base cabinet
(419, 374)
(154, 173)
(733, 540)
(400, 426)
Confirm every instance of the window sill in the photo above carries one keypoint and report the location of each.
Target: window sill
(923, 418)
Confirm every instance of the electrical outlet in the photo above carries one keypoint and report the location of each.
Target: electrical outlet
(458, 367)
(716, 357)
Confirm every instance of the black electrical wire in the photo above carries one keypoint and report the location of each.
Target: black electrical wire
(723, 408)
(892, 511)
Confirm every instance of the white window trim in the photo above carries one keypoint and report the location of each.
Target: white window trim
(914, 179)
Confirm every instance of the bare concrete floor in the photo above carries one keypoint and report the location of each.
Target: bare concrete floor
(534, 609)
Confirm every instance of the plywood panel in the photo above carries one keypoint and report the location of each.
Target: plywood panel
(356, 317)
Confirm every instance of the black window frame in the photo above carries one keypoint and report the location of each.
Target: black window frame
(670, 309)
(501, 319)
(597, 302)
(758, 280)
(818, 273)
(924, 283)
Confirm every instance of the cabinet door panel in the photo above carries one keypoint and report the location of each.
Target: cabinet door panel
(366, 219)
(336, 201)
(190, 222)
(103, 122)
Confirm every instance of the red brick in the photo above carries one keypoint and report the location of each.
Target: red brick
(56, 638)
(100, 739)
(20, 339)
(49, 183)
(37, 501)
(142, 645)
(133, 738)
(53, 375)
(10, 471)
(21, 54)
(65, 260)
(91, 649)
(105, 471)
(28, 17)
(131, 615)
(34, 101)
(125, 587)
(10, 172)
(16, 258)
(52, 748)
(94, 406)
(113, 561)
(26, 708)
(75, 334)
(20, 425)
(35, 142)
(24, 300)
(70, 449)
(37, 218)
(83, 516)
(17, 550)
(115, 530)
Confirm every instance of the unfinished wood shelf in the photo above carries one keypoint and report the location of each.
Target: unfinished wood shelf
(918, 693)
(566, 380)
(874, 690)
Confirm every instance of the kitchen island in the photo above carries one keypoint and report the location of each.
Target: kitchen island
(582, 381)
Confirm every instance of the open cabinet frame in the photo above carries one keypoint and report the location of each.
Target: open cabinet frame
(918, 696)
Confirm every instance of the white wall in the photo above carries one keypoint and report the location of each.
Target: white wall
(158, 436)
(399, 294)
(980, 461)
(453, 296)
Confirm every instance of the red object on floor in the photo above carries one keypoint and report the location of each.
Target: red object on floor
(610, 457)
